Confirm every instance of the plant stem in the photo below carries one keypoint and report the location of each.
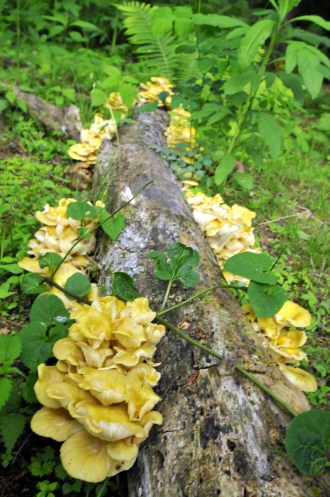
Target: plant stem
(51, 282)
(102, 488)
(166, 295)
(237, 367)
(199, 294)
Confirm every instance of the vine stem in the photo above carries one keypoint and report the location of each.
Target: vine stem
(166, 295)
(51, 282)
(199, 294)
(237, 367)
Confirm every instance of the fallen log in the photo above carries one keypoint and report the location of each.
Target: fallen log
(221, 434)
(65, 119)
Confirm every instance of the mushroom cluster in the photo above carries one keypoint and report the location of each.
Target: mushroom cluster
(58, 234)
(283, 342)
(151, 89)
(181, 131)
(228, 229)
(91, 139)
(98, 399)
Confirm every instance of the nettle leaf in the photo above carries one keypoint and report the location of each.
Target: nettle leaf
(78, 284)
(252, 41)
(51, 260)
(112, 226)
(271, 133)
(10, 348)
(33, 284)
(306, 441)
(37, 345)
(6, 385)
(48, 310)
(81, 210)
(266, 300)
(161, 269)
(123, 286)
(28, 392)
(255, 267)
(245, 180)
(225, 167)
(11, 427)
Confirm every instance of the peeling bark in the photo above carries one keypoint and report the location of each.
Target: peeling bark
(221, 434)
(66, 119)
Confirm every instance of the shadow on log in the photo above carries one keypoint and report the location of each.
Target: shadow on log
(222, 436)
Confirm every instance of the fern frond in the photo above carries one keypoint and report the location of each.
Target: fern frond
(159, 52)
(187, 67)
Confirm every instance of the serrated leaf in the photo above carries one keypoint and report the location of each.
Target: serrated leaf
(98, 98)
(5, 389)
(255, 267)
(217, 20)
(191, 279)
(161, 269)
(306, 441)
(271, 132)
(51, 260)
(245, 180)
(123, 286)
(112, 226)
(253, 40)
(11, 427)
(28, 392)
(255, 152)
(48, 310)
(266, 300)
(10, 348)
(33, 284)
(78, 284)
(316, 19)
(81, 210)
(225, 167)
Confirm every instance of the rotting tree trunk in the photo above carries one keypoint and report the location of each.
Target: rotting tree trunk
(221, 434)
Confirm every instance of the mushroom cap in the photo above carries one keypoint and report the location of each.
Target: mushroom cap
(46, 376)
(139, 310)
(108, 386)
(299, 378)
(54, 423)
(86, 457)
(129, 333)
(292, 314)
(122, 451)
(66, 349)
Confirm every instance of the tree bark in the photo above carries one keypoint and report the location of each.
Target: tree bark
(221, 434)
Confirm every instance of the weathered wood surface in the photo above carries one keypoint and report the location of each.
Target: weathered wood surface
(66, 119)
(221, 434)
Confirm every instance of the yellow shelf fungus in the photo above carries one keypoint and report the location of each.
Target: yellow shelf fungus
(99, 397)
(284, 345)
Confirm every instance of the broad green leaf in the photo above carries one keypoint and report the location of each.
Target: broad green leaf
(149, 107)
(123, 286)
(112, 226)
(308, 66)
(316, 19)
(218, 116)
(266, 300)
(10, 348)
(182, 27)
(76, 36)
(33, 284)
(87, 26)
(205, 64)
(285, 6)
(4, 290)
(128, 94)
(271, 132)
(237, 32)
(253, 40)
(112, 71)
(255, 267)
(246, 81)
(161, 269)
(191, 279)
(294, 82)
(11, 268)
(161, 26)
(83, 232)
(98, 98)
(183, 12)
(183, 260)
(78, 284)
(225, 167)
(81, 210)
(245, 180)
(216, 20)
(291, 57)
(306, 441)
(253, 149)
(28, 392)
(48, 310)
(11, 427)
(21, 104)
(51, 260)
(10, 96)
(6, 385)
(37, 345)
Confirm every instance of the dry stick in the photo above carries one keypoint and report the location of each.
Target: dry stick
(237, 367)
(280, 218)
